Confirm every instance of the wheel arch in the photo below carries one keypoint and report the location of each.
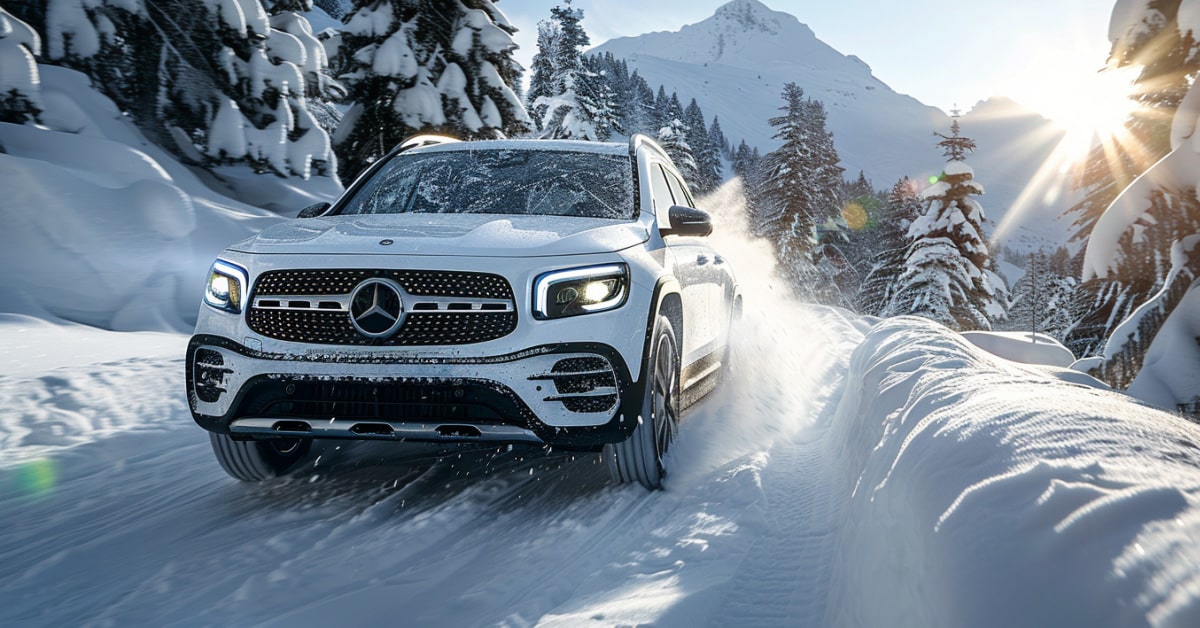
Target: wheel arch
(668, 301)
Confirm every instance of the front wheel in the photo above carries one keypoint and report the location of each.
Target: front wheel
(640, 458)
(258, 460)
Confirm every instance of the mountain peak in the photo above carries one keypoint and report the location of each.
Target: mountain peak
(751, 15)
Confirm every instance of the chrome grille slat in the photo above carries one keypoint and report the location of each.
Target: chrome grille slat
(441, 307)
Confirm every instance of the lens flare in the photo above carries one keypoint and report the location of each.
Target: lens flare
(37, 477)
(855, 216)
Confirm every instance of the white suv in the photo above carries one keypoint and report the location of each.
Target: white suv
(527, 291)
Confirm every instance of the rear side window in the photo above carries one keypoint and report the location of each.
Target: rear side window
(679, 191)
(501, 181)
(660, 191)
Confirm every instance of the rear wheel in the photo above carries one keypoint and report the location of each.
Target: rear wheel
(640, 458)
(258, 460)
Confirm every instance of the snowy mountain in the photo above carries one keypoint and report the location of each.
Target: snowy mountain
(736, 62)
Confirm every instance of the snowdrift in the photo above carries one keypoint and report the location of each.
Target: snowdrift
(983, 492)
(106, 229)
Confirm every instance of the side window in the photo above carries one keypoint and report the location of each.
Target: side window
(660, 192)
(679, 191)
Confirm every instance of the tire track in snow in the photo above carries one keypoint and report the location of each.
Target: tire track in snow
(784, 579)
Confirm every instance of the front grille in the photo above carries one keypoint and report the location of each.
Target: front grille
(461, 400)
(442, 307)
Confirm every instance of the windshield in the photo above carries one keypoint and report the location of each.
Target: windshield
(501, 181)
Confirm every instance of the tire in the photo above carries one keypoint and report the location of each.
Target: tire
(254, 460)
(640, 457)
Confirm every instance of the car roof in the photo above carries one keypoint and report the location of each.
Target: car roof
(605, 148)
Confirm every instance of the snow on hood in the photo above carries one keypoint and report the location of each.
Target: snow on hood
(448, 234)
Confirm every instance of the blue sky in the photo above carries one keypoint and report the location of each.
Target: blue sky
(1042, 53)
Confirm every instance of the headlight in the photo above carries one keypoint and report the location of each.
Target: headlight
(226, 287)
(580, 291)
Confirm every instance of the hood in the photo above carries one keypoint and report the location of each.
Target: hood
(475, 235)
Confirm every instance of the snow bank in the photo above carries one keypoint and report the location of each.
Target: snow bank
(1168, 376)
(64, 385)
(1024, 347)
(986, 493)
(106, 228)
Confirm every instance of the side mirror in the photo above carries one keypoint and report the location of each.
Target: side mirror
(687, 221)
(312, 211)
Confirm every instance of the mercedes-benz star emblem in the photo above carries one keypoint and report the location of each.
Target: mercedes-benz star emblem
(376, 309)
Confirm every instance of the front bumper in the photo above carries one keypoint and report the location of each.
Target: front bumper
(576, 395)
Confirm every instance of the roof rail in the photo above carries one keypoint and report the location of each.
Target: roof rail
(427, 139)
(638, 139)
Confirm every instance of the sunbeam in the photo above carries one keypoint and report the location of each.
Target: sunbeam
(1090, 110)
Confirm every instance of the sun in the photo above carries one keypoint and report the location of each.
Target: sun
(1090, 108)
(1086, 109)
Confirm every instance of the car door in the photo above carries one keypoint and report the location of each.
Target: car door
(703, 281)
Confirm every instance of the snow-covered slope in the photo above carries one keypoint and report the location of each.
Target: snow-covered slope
(105, 228)
(736, 62)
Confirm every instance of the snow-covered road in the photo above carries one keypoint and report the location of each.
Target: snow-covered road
(138, 525)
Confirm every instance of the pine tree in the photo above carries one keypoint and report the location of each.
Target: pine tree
(639, 117)
(421, 66)
(335, 8)
(570, 101)
(662, 103)
(1042, 297)
(214, 83)
(1169, 63)
(949, 275)
(717, 137)
(799, 184)
(708, 158)
(673, 139)
(861, 213)
(901, 209)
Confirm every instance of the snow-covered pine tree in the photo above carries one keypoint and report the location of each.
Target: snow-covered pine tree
(415, 66)
(543, 68)
(673, 139)
(20, 94)
(799, 184)
(717, 137)
(949, 276)
(336, 9)
(214, 82)
(706, 153)
(662, 109)
(571, 101)
(639, 116)
(861, 214)
(901, 209)
(1167, 55)
(1041, 298)
(322, 92)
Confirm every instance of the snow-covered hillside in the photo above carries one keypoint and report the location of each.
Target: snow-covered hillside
(108, 229)
(736, 62)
